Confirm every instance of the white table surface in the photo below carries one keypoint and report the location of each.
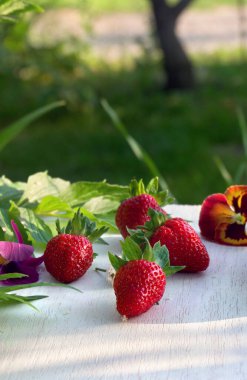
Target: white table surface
(198, 331)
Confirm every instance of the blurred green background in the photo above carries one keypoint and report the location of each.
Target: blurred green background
(183, 131)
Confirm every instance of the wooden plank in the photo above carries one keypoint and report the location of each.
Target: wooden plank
(198, 331)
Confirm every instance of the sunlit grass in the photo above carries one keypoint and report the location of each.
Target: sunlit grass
(182, 132)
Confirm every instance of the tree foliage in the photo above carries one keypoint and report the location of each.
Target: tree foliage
(10, 10)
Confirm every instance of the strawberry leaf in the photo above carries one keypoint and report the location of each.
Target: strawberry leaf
(116, 261)
(95, 236)
(157, 218)
(137, 235)
(131, 250)
(148, 253)
(169, 270)
(136, 188)
(164, 198)
(153, 186)
(82, 225)
(161, 255)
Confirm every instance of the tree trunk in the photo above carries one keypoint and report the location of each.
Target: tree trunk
(177, 66)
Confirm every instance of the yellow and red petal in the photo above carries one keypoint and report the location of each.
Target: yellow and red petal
(231, 234)
(215, 210)
(236, 196)
(223, 217)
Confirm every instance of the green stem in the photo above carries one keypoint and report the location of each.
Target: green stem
(100, 270)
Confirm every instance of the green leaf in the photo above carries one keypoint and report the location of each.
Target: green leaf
(161, 255)
(148, 253)
(16, 7)
(53, 206)
(10, 191)
(11, 275)
(5, 224)
(6, 230)
(164, 198)
(107, 220)
(153, 186)
(157, 219)
(82, 225)
(116, 261)
(41, 185)
(38, 230)
(9, 133)
(95, 236)
(13, 298)
(101, 204)
(137, 235)
(169, 270)
(136, 188)
(131, 250)
(78, 193)
(2, 235)
(11, 288)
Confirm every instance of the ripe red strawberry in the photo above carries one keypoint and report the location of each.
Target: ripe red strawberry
(133, 211)
(69, 254)
(140, 282)
(183, 243)
(138, 285)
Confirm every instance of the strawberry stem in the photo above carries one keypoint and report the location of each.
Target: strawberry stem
(100, 270)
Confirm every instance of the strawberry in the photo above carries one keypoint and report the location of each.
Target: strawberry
(69, 254)
(183, 243)
(134, 211)
(140, 278)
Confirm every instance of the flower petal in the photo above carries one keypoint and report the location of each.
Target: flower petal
(17, 232)
(231, 234)
(34, 261)
(12, 251)
(237, 198)
(215, 210)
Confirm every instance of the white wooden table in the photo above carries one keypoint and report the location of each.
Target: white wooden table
(198, 331)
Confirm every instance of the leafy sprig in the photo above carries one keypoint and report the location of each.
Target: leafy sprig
(131, 250)
(8, 297)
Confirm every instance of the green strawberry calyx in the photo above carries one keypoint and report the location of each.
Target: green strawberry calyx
(131, 251)
(157, 219)
(137, 188)
(82, 225)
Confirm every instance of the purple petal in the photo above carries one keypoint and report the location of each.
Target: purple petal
(17, 232)
(15, 251)
(19, 267)
(34, 261)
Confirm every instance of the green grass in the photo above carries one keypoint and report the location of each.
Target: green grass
(182, 131)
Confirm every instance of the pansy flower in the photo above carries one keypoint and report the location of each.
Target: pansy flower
(223, 217)
(17, 257)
